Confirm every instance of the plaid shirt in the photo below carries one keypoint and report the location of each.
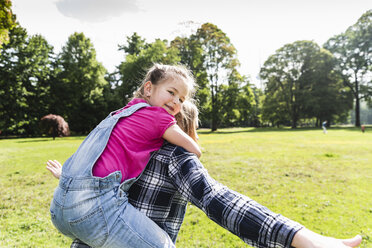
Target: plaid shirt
(174, 177)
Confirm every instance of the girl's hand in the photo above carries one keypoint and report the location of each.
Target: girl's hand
(308, 239)
(55, 168)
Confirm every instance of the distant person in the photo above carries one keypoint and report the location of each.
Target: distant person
(324, 126)
(363, 128)
(181, 178)
(91, 201)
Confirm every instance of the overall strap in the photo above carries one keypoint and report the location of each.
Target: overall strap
(131, 110)
(82, 161)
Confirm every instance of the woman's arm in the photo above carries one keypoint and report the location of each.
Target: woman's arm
(176, 136)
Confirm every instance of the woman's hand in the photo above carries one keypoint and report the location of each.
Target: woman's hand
(55, 168)
(308, 239)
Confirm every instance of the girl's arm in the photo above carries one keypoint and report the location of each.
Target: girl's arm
(176, 136)
(55, 168)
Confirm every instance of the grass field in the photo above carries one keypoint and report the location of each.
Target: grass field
(321, 181)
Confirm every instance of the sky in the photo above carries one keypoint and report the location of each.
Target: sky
(257, 28)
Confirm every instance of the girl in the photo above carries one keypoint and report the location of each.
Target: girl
(91, 201)
(187, 120)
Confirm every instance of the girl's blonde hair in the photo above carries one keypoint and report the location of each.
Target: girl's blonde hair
(159, 73)
(188, 119)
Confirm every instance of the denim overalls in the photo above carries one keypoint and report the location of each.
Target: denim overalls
(96, 210)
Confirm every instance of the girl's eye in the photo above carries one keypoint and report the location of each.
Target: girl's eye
(171, 92)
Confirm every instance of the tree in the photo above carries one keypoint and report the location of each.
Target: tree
(79, 85)
(353, 49)
(7, 21)
(237, 101)
(224, 96)
(329, 99)
(281, 74)
(300, 82)
(38, 59)
(25, 71)
(55, 125)
(274, 108)
(13, 103)
(219, 61)
(253, 117)
(134, 44)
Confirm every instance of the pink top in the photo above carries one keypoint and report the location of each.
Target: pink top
(132, 140)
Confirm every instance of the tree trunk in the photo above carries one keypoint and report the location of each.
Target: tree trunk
(357, 112)
(214, 123)
(357, 103)
(294, 124)
(54, 132)
(294, 116)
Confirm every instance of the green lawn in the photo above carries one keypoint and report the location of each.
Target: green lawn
(321, 181)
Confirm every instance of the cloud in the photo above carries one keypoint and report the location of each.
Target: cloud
(95, 10)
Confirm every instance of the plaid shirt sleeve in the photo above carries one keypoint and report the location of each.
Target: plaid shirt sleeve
(253, 223)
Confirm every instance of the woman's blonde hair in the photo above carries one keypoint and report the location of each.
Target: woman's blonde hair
(188, 118)
(159, 73)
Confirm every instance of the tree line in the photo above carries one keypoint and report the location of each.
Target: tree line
(303, 82)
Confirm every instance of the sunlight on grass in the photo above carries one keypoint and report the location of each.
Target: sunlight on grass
(321, 181)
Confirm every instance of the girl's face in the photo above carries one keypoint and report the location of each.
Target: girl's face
(168, 94)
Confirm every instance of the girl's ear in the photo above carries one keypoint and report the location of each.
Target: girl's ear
(147, 88)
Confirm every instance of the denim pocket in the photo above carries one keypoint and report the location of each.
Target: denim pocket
(55, 215)
(91, 228)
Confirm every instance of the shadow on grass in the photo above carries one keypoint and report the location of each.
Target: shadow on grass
(34, 139)
(282, 129)
(31, 139)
